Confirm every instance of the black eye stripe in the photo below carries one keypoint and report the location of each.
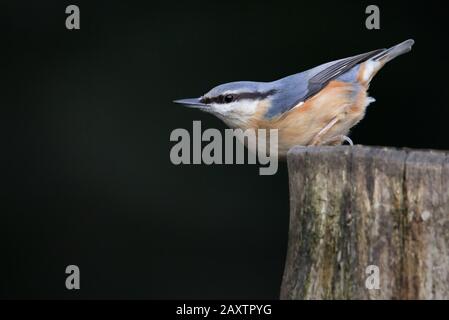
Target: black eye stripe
(221, 99)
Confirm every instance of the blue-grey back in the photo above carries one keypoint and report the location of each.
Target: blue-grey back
(293, 89)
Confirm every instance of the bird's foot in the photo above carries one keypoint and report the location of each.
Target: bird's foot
(339, 140)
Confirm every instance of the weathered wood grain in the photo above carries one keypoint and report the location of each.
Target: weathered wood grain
(352, 207)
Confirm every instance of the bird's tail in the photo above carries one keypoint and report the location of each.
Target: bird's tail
(393, 52)
(375, 63)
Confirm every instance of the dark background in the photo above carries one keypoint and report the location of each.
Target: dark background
(86, 120)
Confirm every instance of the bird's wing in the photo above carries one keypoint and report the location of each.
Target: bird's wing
(323, 77)
(302, 86)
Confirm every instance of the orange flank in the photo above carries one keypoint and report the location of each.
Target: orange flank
(339, 100)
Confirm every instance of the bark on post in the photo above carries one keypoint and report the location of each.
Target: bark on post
(352, 207)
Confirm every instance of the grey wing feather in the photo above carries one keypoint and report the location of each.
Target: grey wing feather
(304, 85)
(322, 78)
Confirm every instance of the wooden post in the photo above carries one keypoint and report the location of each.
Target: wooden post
(355, 207)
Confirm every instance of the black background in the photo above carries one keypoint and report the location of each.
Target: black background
(86, 120)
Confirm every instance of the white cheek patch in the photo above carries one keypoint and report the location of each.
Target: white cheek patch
(239, 108)
(246, 107)
(370, 69)
(221, 108)
(237, 113)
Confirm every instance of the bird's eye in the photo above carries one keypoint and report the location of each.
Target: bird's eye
(229, 98)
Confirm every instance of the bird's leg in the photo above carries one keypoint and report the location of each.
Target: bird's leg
(317, 139)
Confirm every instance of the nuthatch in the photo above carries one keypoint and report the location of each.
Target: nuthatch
(315, 107)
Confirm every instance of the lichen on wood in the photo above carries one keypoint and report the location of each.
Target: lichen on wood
(352, 207)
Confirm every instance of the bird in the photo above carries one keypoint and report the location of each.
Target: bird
(316, 107)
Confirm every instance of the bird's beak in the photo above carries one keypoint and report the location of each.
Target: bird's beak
(192, 103)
